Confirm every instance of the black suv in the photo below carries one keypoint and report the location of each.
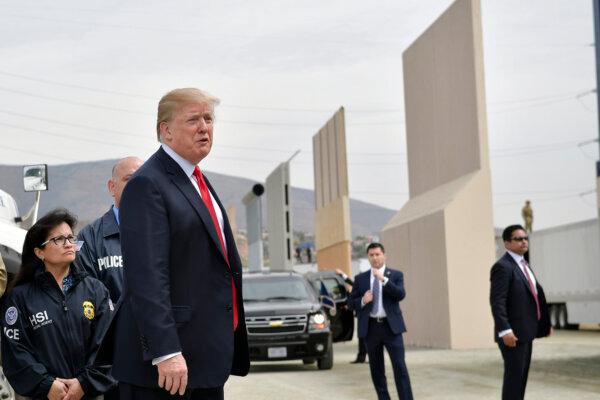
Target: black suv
(341, 317)
(285, 320)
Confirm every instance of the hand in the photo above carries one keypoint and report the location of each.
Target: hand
(378, 274)
(510, 340)
(57, 391)
(74, 389)
(173, 374)
(367, 297)
(339, 272)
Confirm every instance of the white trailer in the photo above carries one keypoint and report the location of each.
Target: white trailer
(11, 234)
(566, 260)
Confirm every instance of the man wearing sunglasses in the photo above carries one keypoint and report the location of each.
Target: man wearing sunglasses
(519, 309)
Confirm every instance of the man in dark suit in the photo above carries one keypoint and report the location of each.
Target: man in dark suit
(519, 309)
(361, 356)
(375, 297)
(180, 327)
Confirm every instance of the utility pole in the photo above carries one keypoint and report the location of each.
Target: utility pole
(597, 48)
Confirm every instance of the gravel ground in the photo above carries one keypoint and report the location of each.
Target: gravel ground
(564, 366)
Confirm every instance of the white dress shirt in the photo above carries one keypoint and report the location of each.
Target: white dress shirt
(519, 260)
(381, 312)
(188, 170)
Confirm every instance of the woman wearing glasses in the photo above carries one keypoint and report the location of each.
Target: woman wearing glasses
(54, 318)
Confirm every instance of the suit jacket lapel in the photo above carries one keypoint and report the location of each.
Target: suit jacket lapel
(185, 186)
(519, 272)
(227, 233)
(367, 278)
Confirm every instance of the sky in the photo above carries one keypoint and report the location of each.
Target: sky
(80, 81)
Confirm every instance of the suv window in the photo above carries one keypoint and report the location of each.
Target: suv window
(337, 291)
(274, 289)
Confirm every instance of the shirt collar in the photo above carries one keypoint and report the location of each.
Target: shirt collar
(116, 212)
(382, 269)
(185, 165)
(517, 257)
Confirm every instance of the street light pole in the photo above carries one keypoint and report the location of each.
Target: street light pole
(597, 49)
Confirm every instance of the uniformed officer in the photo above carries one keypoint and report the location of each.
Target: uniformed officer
(2, 277)
(54, 318)
(527, 214)
(100, 254)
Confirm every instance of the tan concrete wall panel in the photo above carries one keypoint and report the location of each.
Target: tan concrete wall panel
(441, 94)
(336, 256)
(425, 307)
(471, 252)
(341, 153)
(325, 156)
(331, 224)
(332, 162)
(446, 227)
(317, 166)
(332, 205)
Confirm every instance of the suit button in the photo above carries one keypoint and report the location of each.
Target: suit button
(229, 308)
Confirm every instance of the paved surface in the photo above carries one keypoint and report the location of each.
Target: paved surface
(565, 366)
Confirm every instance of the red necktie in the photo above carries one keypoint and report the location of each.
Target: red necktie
(532, 287)
(205, 194)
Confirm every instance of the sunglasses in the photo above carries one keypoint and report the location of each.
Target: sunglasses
(520, 238)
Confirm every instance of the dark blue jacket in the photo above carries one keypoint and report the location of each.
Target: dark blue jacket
(513, 304)
(392, 293)
(178, 285)
(100, 254)
(49, 334)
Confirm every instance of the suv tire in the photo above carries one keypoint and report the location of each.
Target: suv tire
(326, 362)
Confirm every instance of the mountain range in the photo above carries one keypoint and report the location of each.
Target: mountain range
(81, 188)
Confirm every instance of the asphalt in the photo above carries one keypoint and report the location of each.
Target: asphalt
(565, 366)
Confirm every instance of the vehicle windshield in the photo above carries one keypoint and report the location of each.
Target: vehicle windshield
(269, 289)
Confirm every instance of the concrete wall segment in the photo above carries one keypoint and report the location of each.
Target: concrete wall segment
(441, 92)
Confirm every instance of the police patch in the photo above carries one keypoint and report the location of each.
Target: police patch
(88, 310)
(11, 315)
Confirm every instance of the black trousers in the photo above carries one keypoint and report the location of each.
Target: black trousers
(516, 369)
(379, 336)
(362, 349)
(132, 392)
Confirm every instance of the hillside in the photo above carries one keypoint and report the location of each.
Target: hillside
(81, 188)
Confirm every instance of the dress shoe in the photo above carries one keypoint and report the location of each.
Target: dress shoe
(359, 360)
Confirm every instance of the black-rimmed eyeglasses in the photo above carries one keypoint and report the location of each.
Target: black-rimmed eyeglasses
(520, 238)
(61, 240)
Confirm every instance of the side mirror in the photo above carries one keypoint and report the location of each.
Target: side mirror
(35, 177)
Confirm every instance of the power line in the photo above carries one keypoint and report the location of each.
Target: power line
(313, 125)
(502, 152)
(70, 137)
(542, 200)
(73, 86)
(546, 102)
(37, 153)
(539, 98)
(72, 102)
(552, 98)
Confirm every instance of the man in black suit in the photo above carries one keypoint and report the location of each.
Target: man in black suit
(361, 355)
(180, 328)
(375, 297)
(519, 309)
